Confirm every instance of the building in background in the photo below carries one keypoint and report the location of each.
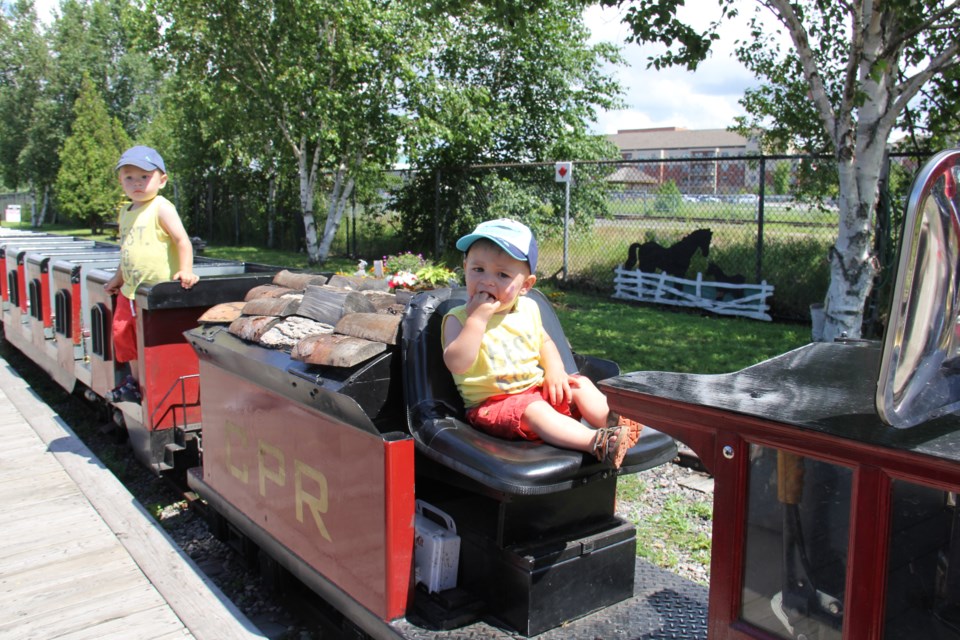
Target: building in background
(707, 173)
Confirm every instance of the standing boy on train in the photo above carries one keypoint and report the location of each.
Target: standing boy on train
(154, 247)
(507, 368)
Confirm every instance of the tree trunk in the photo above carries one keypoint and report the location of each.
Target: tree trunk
(271, 210)
(860, 156)
(308, 178)
(339, 197)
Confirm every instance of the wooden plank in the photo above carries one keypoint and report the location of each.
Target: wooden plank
(298, 281)
(378, 327)
(285, 305)
(328, 304)
(222, 313)
(336, 350)
(50, 576)
(382, 300)
(73, 617)
(267, 291)
(358, 283)
(252, 327)
(54, 549)
(157, 623)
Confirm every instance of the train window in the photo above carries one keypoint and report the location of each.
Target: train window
(923, 571)
(795, 552)
(12, 289)
(36, 303)
(62, 312)
(99, 330)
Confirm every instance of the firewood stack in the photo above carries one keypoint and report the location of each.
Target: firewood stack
(338, 322)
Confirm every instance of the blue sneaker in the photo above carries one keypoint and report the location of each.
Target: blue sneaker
(129, 391)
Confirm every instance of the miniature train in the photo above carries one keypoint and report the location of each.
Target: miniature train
(347, 463)
(338, 464)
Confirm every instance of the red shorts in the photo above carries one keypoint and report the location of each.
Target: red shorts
(501, 416)
(124, 330)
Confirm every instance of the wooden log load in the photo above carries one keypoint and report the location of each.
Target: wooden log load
(338, 326)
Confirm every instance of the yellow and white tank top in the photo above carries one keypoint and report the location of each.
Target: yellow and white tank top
(147, 252)
(509, 358)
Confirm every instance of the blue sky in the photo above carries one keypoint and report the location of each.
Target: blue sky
(703, 99)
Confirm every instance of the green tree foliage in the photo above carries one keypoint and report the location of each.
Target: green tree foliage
(28, 143)
(782, 175)
(668, 198)
(321, 77)
(87, 189)
(513, 82)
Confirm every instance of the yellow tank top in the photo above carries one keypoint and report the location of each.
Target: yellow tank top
(509, 358)
(147, 252)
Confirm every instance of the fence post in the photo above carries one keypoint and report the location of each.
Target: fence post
(761, 195)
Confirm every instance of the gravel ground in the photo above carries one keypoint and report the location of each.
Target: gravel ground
(227, 568)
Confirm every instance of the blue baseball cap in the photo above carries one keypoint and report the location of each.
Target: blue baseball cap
(513, 237)
(144, 157)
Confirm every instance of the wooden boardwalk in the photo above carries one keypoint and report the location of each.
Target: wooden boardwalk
(79, 557)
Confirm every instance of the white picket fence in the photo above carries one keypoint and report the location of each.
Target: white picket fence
(748, 300)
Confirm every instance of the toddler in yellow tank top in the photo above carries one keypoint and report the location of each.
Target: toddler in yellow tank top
(507, 368)
(154, 246)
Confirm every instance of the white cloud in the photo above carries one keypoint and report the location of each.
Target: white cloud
(674, 97)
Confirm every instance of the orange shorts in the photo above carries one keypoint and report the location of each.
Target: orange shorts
(124, 330)
(502, 416)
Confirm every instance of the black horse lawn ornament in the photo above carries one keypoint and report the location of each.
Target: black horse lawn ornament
(673, 260)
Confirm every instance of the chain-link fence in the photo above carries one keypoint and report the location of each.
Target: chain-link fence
(770, 218)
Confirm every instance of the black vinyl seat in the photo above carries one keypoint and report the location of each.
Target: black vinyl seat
(435, 413)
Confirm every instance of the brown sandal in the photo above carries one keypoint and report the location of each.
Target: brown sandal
(612, 444)
(634, 427)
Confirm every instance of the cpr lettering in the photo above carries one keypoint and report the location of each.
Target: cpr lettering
(309, 485)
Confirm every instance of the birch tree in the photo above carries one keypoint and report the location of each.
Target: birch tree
(322, 76)
(852, 69)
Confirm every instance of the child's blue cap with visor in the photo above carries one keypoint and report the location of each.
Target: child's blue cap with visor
(145, 158)
(513, 237)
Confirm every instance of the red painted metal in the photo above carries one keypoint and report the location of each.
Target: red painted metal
(168, 365)
(400, 503)
(316, 485)
(873, 467)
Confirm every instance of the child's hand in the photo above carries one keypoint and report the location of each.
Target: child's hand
(483, 304)
(111, 288)
(556, 388)
(187, 278)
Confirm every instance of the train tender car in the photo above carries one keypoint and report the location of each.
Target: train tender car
(163, 425)
(40, 292)
(322, 459)
(837, 465)
(72, 314)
